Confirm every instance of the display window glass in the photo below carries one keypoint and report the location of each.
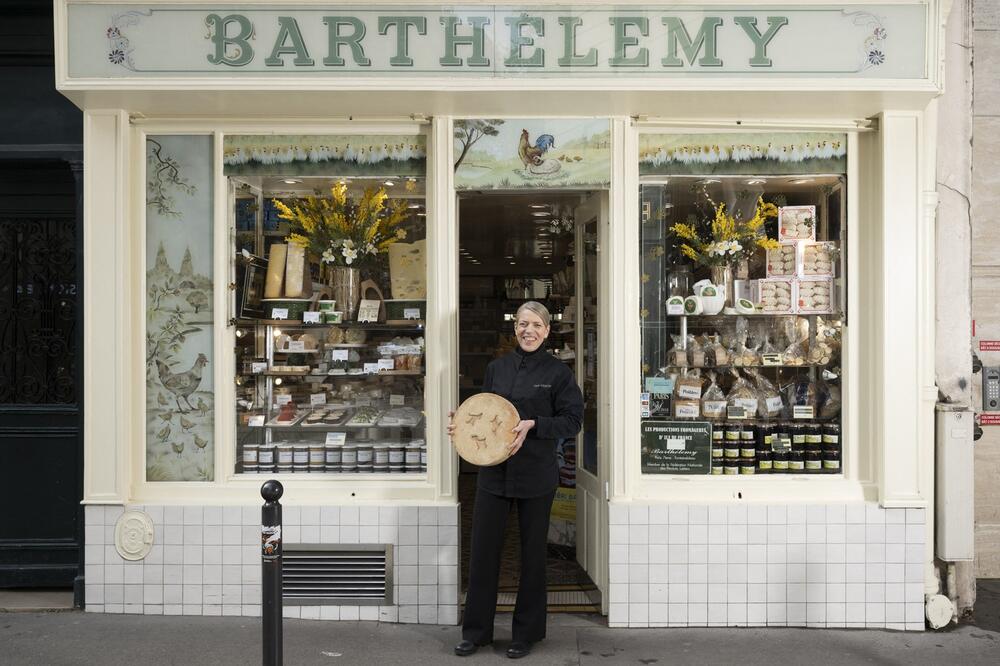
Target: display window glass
(743, 303)
(329, 246)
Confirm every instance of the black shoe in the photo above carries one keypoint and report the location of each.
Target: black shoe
(517, 649)
(465, 648)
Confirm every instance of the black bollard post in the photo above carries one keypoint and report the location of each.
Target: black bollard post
(271, 611)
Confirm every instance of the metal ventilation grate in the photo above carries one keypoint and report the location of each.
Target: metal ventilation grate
(318, 574)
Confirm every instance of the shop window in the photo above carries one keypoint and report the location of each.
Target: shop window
(329, 263)
(743, 302)
(180, 393)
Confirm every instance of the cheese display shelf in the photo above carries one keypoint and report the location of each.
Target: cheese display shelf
(331, 407)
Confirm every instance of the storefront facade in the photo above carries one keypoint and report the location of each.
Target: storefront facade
(193, 90)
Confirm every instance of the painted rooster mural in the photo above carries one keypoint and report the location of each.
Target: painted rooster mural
(532, 156)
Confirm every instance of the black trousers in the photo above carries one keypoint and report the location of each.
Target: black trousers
(489, 518)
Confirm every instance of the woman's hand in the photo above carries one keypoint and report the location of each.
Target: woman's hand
(521, 431)
(451, 424)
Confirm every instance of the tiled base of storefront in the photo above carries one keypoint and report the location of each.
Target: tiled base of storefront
(205, 560)
(854, 565)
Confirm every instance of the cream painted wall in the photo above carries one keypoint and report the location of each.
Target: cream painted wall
(985, 201)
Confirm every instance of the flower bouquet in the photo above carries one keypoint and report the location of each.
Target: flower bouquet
(730, 240)
(337, 231)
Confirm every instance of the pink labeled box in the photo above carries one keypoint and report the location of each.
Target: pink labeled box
(815, 296)
(783, 261)
(776, 295)
(796, 223)
(818, 259)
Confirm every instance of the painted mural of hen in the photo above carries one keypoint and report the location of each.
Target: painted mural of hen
(532, 155)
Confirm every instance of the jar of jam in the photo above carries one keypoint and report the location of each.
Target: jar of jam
(814, 436)
(717, 466)
(796, 462)
(779, 462)
(731, 466)
(831, 463)
(732, 448)
(717, 452)
(767, 433)
(747, 433)
(748, 465)
(814, 462)
(732, 432)
(765, 462)
(798, 431)
(782, 438)
(718, 435)
(831, 434)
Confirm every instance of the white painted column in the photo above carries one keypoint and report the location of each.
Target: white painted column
(107, 330)
(442, 307)
(905, 285)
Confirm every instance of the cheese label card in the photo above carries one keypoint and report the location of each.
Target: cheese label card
(387, 364)
(311, 317)
(736, 412)
(336, 438)
(257, 368)
(282, 399)
(396, 400)
(771, 359)
(660, 385)
(338, 355)
(371, 368)
(368, 311)
(362, 402)
(279, 313)
(256, 421)
(802, 412)
(411, 313)
(317, 399)
(296, 346)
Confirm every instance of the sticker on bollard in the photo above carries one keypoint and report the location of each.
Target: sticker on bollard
(271, 542)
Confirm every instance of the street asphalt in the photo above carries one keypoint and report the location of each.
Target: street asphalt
(73, 637)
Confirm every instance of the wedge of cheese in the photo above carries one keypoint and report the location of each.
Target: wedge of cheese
(275, 271)
(295, 271)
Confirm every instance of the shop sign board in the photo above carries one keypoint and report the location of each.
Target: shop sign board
(165, 40)
(676, 447)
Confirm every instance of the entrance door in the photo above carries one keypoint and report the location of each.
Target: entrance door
(591, 458)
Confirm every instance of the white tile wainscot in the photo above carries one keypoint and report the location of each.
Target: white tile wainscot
(205, 560)
(823, 565)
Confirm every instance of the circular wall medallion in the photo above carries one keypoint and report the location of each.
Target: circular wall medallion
(134, 535)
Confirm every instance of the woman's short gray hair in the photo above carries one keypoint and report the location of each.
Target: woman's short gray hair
(536, 308)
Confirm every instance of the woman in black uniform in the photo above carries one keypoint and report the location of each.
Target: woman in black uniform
(549, 402)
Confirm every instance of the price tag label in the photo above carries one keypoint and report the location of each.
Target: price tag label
(371, 368)
(279, 313)
(368, 311)
(771, 359)
(311, 317)
(338, 355)
(362, 402)
(774, 404)
(317, 399)
(296, 346)
(803, 412)
(397, 400)
(282, 399)
(781, 443)
(256, 421)
(387, 364)
(336, 438)
(411, 313)
(258, 367)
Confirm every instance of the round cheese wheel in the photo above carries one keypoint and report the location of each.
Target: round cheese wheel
(483, 426)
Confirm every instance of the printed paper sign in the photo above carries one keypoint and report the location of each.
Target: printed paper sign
(296, 346)
(803, 412)
(371, 368)
(771, 359)
(676, 447)
(387, 364)
(317, 399)
(310, 317)
(396, 400)
(411, 313)
(256, 421)
(258, 367)
(989, 345)
(279, 313)
(362, 402)
(660, 385)
(283, 399)
(338, 355)
(336, 438)
(368, 311)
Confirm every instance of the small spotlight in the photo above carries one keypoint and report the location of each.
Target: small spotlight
(291, 181)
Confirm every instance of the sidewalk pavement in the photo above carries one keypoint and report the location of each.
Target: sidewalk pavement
(73, 637)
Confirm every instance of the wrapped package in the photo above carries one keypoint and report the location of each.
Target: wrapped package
(696, 355)
(742, 395)
(713, 400)
(769, 404)
(678, 355)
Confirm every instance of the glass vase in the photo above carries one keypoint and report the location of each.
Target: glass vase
(722, 277)
(346, 285)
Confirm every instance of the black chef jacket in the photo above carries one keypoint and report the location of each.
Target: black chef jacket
(542, 388)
